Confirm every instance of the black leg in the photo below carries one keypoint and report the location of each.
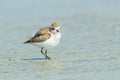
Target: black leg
(46, 55)
(42, 50)
(46, 52)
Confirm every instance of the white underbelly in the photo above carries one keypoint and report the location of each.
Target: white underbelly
(53, 41)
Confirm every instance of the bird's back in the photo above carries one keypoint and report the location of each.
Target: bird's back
(41, 35)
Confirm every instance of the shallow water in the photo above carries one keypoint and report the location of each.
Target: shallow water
(89, 48)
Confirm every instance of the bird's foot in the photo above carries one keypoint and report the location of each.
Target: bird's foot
(48, 57)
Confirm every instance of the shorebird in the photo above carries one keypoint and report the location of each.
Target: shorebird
(46, 38)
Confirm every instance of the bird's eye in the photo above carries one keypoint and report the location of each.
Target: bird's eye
(52, 28)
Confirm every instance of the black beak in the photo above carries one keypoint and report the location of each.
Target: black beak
(57, 30)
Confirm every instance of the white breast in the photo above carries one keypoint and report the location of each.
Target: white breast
(53, 41)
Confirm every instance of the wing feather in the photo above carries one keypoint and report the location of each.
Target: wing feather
(42, 35)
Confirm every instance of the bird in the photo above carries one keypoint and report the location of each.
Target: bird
(46, 37)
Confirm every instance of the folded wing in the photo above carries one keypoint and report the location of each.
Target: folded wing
(41, 36)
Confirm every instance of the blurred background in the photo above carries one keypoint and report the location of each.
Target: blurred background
(89, 48)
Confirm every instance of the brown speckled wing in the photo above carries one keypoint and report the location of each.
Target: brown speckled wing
(42, 35)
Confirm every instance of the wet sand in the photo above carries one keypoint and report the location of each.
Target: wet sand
(89, 48)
